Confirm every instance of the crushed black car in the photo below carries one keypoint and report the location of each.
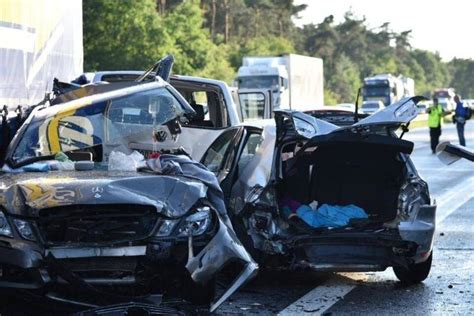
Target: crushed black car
(305, 193)
(91, 213)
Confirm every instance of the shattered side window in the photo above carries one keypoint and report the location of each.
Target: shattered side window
(131, 118)
(109, 123)
(214, 156)
(251, 147)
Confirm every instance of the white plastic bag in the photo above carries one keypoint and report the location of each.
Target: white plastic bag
(119, 161)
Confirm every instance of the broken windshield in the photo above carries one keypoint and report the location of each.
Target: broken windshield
(103, 125)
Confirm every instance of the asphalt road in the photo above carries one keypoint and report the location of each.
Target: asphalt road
(448, 290)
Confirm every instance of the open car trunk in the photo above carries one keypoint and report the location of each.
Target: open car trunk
(343, 168)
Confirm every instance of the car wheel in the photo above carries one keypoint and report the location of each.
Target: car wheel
(415, 273)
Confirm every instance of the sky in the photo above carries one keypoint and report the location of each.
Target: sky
(446, 27)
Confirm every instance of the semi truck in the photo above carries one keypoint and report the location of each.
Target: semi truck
(445, 98)
(387, 88)
(295, 81)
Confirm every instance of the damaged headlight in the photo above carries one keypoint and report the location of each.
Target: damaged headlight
(196, 223)
(5, 229)
(24, 228)
(166, 227)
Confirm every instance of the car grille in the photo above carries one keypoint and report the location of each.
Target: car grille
(96, 223)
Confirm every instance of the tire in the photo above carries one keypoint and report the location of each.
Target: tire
(416, 273)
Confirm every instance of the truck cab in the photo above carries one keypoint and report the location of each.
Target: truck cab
(296, 82)
(266, 73)
(385, 88)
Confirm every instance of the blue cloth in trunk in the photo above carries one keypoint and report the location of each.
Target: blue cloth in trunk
(330, 215)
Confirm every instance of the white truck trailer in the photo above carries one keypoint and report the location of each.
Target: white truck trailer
(40, 40)
(295, 81)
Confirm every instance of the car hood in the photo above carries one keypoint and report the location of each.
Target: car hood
(27, 193)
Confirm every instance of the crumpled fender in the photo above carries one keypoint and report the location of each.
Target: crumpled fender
(222, 248)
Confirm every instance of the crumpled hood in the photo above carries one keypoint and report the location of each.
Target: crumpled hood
(26, 193)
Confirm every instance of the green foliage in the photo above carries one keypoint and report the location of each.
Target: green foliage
(345, 80)
(463, 76)
(125, 36)
(191, 43)
(218, 66)
(330, 98)
(210, 37)
(260, 46)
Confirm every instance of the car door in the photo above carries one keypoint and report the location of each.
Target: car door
(255, 104)
(242, 144)
(219, 156)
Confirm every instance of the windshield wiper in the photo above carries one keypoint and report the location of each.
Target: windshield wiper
(15, 164)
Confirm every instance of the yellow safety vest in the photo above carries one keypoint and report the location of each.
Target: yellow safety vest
(435, 116)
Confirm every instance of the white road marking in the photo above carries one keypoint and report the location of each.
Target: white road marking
(444, 176)
(454, 198)
(322, 297)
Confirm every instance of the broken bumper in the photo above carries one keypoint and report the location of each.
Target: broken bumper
(353, 252)
(25, 266)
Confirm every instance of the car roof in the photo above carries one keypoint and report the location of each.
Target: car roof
(80, 100)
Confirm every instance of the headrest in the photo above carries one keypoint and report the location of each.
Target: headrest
(199, 109)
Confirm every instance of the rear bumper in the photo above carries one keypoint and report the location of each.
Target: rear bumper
(353, 252)
(420, 231)
(410, 243)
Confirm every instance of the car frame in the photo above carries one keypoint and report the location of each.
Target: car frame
(403, 240)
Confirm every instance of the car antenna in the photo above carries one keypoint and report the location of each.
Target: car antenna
(356, 110)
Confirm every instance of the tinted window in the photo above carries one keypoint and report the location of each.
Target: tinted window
(215, 155)
(259, 82)
(250, 149)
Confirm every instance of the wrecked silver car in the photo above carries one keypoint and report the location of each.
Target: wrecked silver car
(305, 193)
(91, 213)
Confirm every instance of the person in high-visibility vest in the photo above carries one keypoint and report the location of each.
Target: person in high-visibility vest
(435, 117)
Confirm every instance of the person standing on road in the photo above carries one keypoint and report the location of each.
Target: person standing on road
(435, 115)
(460, 117)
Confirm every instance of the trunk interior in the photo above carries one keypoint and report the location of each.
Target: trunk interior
(368, 175)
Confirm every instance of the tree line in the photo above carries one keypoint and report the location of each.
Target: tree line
(210, 37)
